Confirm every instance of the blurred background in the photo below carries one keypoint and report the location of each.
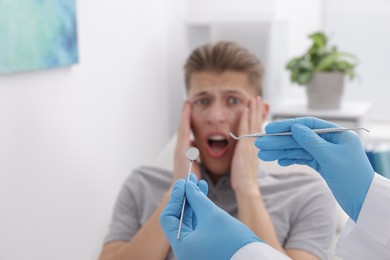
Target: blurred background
(70, 136)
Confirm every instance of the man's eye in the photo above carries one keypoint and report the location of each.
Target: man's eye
(233, 100)
(202, 101)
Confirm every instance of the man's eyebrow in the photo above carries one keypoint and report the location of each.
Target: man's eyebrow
(202, 93)
(232, 91)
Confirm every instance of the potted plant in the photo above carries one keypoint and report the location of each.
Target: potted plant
(322, 70)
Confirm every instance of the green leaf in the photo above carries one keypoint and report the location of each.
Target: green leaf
(327, 62)
(319, 42)
(293, 63)
(304, 77)
(320, 57)
(305, 65)
(319, 39)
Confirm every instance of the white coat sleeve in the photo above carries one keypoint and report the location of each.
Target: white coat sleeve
(257, 251)
(369, 238)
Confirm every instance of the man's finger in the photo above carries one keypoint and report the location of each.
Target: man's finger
(199, 202)
(285, 125)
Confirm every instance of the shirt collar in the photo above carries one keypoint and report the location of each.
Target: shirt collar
(225, 180)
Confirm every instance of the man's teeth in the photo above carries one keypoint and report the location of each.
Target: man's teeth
(217, 138)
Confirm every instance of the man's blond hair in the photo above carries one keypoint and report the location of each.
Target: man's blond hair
(225, 56)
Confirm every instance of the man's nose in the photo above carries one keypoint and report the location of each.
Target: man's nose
(217, 113)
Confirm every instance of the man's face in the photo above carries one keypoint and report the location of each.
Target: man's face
(218, 100)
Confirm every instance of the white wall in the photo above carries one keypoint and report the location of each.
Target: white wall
(217, 9)
(69, 137)
(304, 17)
(177, 53)
(362, 28)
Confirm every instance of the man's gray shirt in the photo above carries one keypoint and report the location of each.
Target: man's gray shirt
(301, 206)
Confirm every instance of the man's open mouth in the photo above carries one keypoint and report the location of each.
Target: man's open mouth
(217, 142)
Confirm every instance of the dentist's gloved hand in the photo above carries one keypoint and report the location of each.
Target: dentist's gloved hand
(215, 235)
(338, 157)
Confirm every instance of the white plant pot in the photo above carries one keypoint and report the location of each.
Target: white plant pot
(325, 90)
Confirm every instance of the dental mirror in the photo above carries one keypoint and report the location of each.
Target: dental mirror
(192, 154)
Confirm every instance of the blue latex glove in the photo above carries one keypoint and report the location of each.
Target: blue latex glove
(216, 234)
(189, 218)
(338, 157)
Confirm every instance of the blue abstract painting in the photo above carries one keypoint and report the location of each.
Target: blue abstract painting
(37, 34)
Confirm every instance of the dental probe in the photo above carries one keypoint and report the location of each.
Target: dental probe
(318, 131)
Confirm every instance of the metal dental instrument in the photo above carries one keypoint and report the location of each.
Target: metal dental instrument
(192, 154)
(318, 131)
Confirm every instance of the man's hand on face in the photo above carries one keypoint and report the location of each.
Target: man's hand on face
(245, 163)
(181, 163)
